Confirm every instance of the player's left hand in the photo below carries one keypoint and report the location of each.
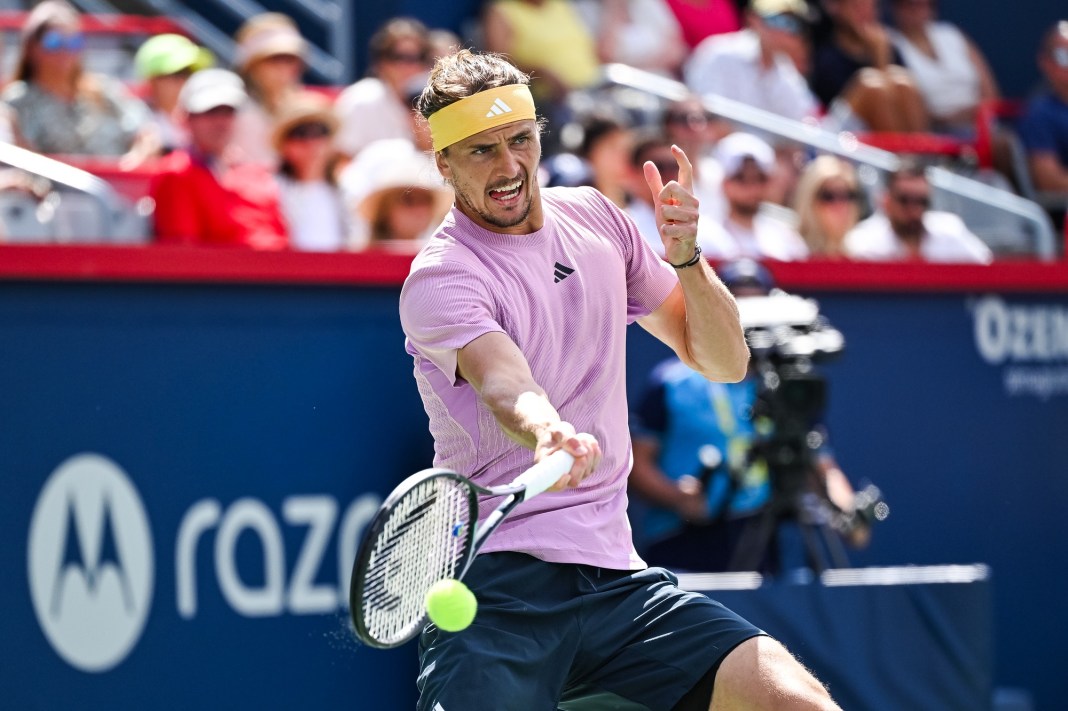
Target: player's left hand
(676, 208)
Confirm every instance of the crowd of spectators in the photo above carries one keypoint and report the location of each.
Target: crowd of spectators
(249, 155)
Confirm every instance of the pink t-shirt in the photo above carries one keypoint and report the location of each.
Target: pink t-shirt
(565, 295)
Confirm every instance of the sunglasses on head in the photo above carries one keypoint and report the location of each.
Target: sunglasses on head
(785, 22)
(308, 131)
(57, 41)
(906, 200)
(829, 196)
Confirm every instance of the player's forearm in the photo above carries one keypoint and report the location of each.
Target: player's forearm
(522, 410)
(713, 337)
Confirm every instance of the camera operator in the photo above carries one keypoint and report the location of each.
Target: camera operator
(702, 485)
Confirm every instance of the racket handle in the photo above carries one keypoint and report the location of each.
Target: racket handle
(545, 473)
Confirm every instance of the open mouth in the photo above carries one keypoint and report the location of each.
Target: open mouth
(507, 193)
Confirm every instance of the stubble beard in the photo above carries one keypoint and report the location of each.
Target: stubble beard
(909, 229)
(503, 223)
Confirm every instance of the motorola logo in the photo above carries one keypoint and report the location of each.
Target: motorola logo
(90, 563)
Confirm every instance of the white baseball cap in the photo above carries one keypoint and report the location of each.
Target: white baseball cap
(732, 151)
(211, 88)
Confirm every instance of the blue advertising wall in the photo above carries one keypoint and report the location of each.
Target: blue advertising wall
(285, 412)
(187, 469)
(971, 453)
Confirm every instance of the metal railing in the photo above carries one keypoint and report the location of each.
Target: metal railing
(333, 64)
(111, 209)
(1034, 222)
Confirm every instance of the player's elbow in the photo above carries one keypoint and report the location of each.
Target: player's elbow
(731, 369)
(728, 368)
(735, 374)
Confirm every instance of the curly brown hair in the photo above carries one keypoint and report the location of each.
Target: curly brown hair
(457, 76)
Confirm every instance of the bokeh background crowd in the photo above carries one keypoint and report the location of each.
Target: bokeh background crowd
(244, 184)
(855, 102)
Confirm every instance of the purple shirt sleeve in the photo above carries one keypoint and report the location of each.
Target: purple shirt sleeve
(443, 307)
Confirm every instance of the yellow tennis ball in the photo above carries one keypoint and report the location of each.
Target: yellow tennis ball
(451, 605)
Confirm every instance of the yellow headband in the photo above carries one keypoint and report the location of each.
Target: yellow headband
(480, 112)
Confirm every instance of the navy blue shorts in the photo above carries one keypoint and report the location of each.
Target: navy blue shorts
(555, 636)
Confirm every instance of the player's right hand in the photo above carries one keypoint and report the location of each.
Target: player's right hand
(583, 446)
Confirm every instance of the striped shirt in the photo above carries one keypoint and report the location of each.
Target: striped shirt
(565, 295)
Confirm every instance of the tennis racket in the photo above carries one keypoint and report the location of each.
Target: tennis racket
(428, 530)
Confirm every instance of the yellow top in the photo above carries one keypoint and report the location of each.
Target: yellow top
(479, 112)
(552, 35)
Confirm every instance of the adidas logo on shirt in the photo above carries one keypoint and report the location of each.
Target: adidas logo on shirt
(498, 108)
(560, 272)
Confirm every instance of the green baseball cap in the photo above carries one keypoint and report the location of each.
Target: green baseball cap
(166, 54)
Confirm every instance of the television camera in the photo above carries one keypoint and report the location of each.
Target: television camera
(788, 338)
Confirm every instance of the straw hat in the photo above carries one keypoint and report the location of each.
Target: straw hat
(404, 175)
(267, 35)
(305, 107)
(168, 54)
(391, 164)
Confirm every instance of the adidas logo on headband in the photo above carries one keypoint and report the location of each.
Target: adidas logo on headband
(469, 115)
(498, 108)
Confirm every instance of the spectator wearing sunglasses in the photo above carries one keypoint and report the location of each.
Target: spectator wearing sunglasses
(1044, 127)
(403, 207)
(763, 65)
(270, 59)
(687, 124)
(311, 201)
(748, 163)
(165, 62)
(908, 230)
(827, 203)
(58, 108)
(378, 106)
(204, 193)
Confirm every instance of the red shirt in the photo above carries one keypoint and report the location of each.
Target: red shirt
(702, 18)
(240, 207)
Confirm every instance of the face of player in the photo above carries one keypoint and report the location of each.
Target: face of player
(493, 175)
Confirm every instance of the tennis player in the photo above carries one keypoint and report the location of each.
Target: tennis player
(515, 315)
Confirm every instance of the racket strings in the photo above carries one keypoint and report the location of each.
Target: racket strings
(423, 541)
